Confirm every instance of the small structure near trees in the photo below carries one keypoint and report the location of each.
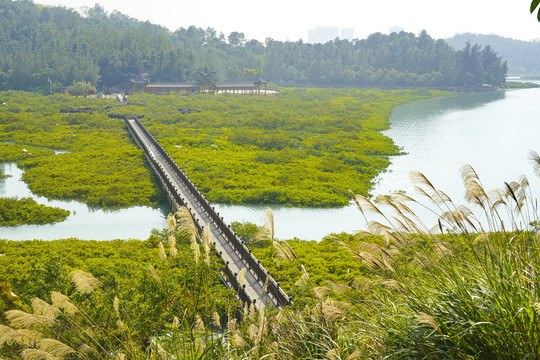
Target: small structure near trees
(206, 84)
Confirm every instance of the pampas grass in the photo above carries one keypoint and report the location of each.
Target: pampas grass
(21, 319)
(474, 293)
(84, 282)
(55, 348)
(62, 302)
(185, 223)
(43, 308)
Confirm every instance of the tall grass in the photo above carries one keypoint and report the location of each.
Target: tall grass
(463, 287)
(468, 283)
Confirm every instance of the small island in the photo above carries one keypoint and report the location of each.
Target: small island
(27, 211)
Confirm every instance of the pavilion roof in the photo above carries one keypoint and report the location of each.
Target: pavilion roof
(139, 80)
(206, 80)
(260, 79)
(207, 72)
(173, 86)
(236, 85)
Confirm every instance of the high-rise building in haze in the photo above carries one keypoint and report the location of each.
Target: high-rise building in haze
(347, 34)
(395, 29)
(321, 35)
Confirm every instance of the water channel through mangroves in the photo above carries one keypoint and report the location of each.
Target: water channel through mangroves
(491, 131)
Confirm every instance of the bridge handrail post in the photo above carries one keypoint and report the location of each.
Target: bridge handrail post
(273, 287)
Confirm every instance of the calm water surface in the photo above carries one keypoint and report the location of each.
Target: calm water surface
(493, 132)
(83, 223)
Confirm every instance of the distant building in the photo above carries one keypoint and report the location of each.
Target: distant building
(205, 84)
(347, 34)
(395, 29)
(322, 35)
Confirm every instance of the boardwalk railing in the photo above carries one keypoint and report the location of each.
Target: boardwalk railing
(273, 288)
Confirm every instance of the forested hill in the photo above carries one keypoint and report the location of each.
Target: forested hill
(522, 56)
(44, 47)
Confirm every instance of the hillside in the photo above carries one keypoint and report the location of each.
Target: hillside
(45, 48)
(522, 56)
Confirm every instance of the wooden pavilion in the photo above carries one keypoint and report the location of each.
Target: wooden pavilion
(205, 84)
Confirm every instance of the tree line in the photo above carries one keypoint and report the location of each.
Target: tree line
(522, 56)
(45, 48)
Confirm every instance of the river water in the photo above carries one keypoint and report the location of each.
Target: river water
(83, 223)
(491, 131)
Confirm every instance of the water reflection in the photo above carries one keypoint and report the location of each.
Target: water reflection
(493, 135)
(83, 223)
(491, 131)
(431, 108)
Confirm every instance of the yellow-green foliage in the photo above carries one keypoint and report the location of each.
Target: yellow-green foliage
(27, 211)
(100, 164)
(325, 262)
(13, 152)
(306, 147)
(35, 267)
(150, 297)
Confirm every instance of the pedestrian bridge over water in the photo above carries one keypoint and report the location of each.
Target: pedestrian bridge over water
(234, 253)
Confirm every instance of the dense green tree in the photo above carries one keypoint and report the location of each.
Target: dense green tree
(522, 56)
(45, 48)
(15, 211)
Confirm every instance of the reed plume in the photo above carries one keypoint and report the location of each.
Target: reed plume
(242, 276)
(154, 274)
(11, 336)
(265, 286)
(185, 223)
(535, 160)
(171, 222)
(266, 232)
(21, 319)
(172, 246)
(62, 302)
(84, 282)
(116, 305)
(35, 354)
(285, 252)
(56, 348)
(205, 239)
(43, 308)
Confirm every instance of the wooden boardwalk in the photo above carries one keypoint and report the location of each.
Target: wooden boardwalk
(235, 255)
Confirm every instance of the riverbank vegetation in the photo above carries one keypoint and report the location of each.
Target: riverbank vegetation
(463, 288)
(306, 147)
(161, 288)
(98, 162)
(54, 47)
(521, 85)
(26, 211)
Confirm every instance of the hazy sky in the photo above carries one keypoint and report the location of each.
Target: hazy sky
(291, 19)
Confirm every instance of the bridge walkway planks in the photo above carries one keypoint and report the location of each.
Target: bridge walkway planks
(254, 279)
